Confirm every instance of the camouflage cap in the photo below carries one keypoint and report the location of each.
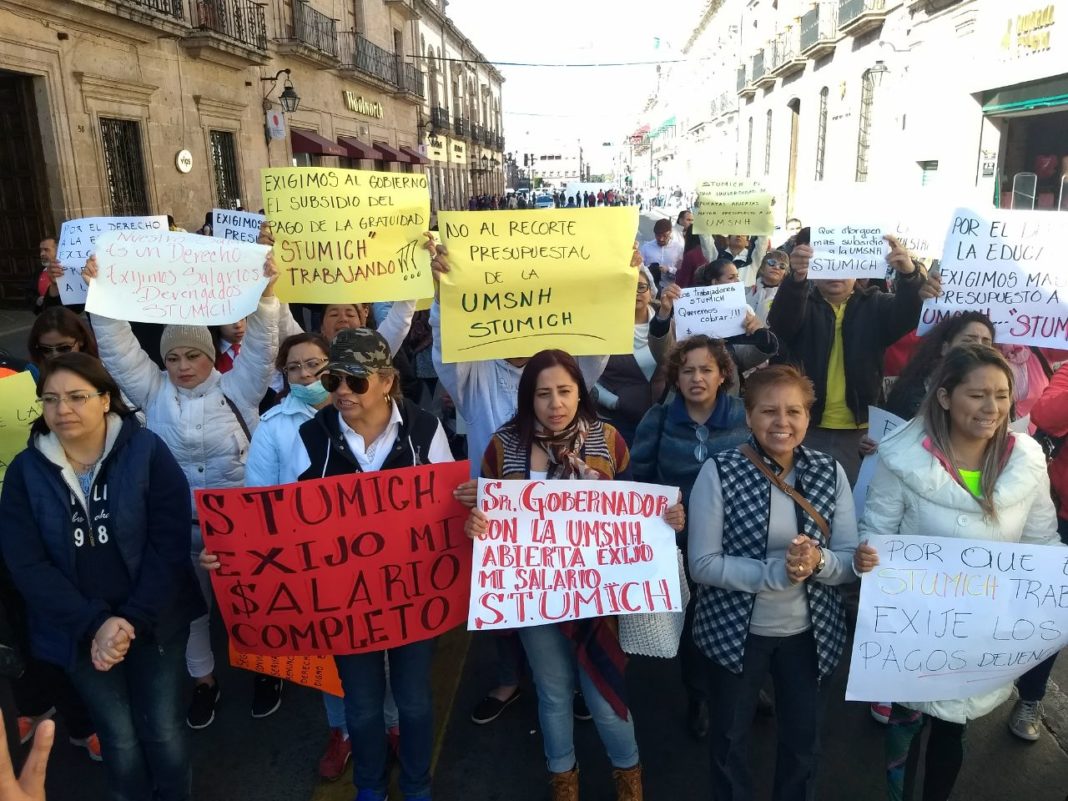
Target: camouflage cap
(359, 352)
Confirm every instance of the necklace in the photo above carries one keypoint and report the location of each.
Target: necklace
(86, 467)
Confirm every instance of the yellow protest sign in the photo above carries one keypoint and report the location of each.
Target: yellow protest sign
(733, 206)
(523, 281)
(348, 236)
(18, 408)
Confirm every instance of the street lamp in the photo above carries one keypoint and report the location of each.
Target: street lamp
(876, 73)
(289, 97)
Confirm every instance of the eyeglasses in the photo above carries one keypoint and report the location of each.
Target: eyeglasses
(700, 452)
(774, 263)
(643, 288)
(332, 382)
(53, 350)
(313, 366)
(74, 400)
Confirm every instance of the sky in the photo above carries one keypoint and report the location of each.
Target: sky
(588, 104)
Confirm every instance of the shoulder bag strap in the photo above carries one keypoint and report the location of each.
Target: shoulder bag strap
(794, 495)
(240, 420)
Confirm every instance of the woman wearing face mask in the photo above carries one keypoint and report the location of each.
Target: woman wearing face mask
(205, 418)
(555, 434)
(955, 471)
(673, 442)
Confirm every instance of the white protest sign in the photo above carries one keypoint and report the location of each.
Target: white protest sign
(880, 423)
(1007, 264)
(176, 278)
(848, 251)
(943, 619)
(566, 550)
(733, 206)
(718, 311)
(77, 241)
(244, 226)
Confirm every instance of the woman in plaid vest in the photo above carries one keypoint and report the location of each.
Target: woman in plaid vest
(772, 532)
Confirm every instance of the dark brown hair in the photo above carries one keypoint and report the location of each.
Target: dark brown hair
(525, 421)
(287, 344)
(63, 321)
(716, 347)
(778, 375)
(92, 370)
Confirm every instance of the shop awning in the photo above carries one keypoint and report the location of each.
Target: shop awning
(391, 153)
(311, 142)
(415, 156)
(357, 149)
(1027, 97)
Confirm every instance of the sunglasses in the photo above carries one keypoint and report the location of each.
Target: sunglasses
(356, 384)
(700, 452)
(67, 347)
(774, 263)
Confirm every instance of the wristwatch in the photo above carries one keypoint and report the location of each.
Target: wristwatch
(822, 563)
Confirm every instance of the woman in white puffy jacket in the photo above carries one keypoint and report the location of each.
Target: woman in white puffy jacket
(206, 419)
(955, 471)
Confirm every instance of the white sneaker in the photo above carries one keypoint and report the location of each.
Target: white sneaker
(1025, 720)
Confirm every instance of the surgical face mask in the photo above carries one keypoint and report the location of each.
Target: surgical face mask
(313, 394)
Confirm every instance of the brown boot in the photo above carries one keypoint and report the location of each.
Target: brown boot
(565, 785)
(628, 784)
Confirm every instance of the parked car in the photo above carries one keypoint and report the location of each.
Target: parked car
(544, 202)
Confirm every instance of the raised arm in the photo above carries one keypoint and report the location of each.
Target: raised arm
(247, 383)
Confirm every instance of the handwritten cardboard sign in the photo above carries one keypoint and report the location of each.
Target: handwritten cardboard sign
(18, 408)
(180, 278)
(1007, 264)
(717, 311)
(343, 565)
(523, 281)
(348, 236)
(733, 206)
(566, 550)
(77, 242)
(943, 618)
(243, 226)
(317, 672)
(880, 423)
(848, 251)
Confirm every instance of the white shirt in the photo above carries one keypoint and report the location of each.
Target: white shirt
(669, 254)
(371, 457)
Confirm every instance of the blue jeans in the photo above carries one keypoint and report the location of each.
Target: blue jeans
(554, 665)
(363, 678)
(798, 709)
(335, 709)
(139, 715)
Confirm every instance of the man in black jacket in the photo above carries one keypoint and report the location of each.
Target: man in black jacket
(838, 334)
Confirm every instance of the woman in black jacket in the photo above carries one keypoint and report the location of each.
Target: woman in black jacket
(97, 541)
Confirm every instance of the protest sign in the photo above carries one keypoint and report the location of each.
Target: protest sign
(733, 206)
(348, 236)
(943, 618)
(880, 423)
(164, 277)
(18, 408)
(848, 251)
(1008, 265)
(343, 565)
(77, 242)
(523, 281)
(243, 226)
(717, 311)
(566, 550)
(317, 672)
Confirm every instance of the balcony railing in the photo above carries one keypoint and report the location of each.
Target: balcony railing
(413, 81)
(357, 53)
(499, 143)
(819, 30)
(476, 132)
(459, 125)
(439, 117)
(786, 55)
(314, 29)
(857, 16)
(171, 8)
(726, 103)
(240, 20)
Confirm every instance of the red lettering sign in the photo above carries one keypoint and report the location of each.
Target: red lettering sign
(342, 565)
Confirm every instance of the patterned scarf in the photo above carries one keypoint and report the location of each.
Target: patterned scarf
(563, 449)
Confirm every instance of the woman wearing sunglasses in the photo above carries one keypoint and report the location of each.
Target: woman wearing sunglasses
(205, 417)
(368, 426)
(58, 330)
(673, 442)
(96, 538)
(768, 278)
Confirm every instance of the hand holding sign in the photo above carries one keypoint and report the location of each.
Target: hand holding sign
(733, 206)
(850, 250)
(77, 242)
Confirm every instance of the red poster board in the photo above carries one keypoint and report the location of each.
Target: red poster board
(343, 565)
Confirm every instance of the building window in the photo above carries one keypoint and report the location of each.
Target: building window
(821, 135)
(929, 172)
(749, 152)
(307, 160)
(125, 167)
(867, 97)
(224, 163)
(767, 146)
